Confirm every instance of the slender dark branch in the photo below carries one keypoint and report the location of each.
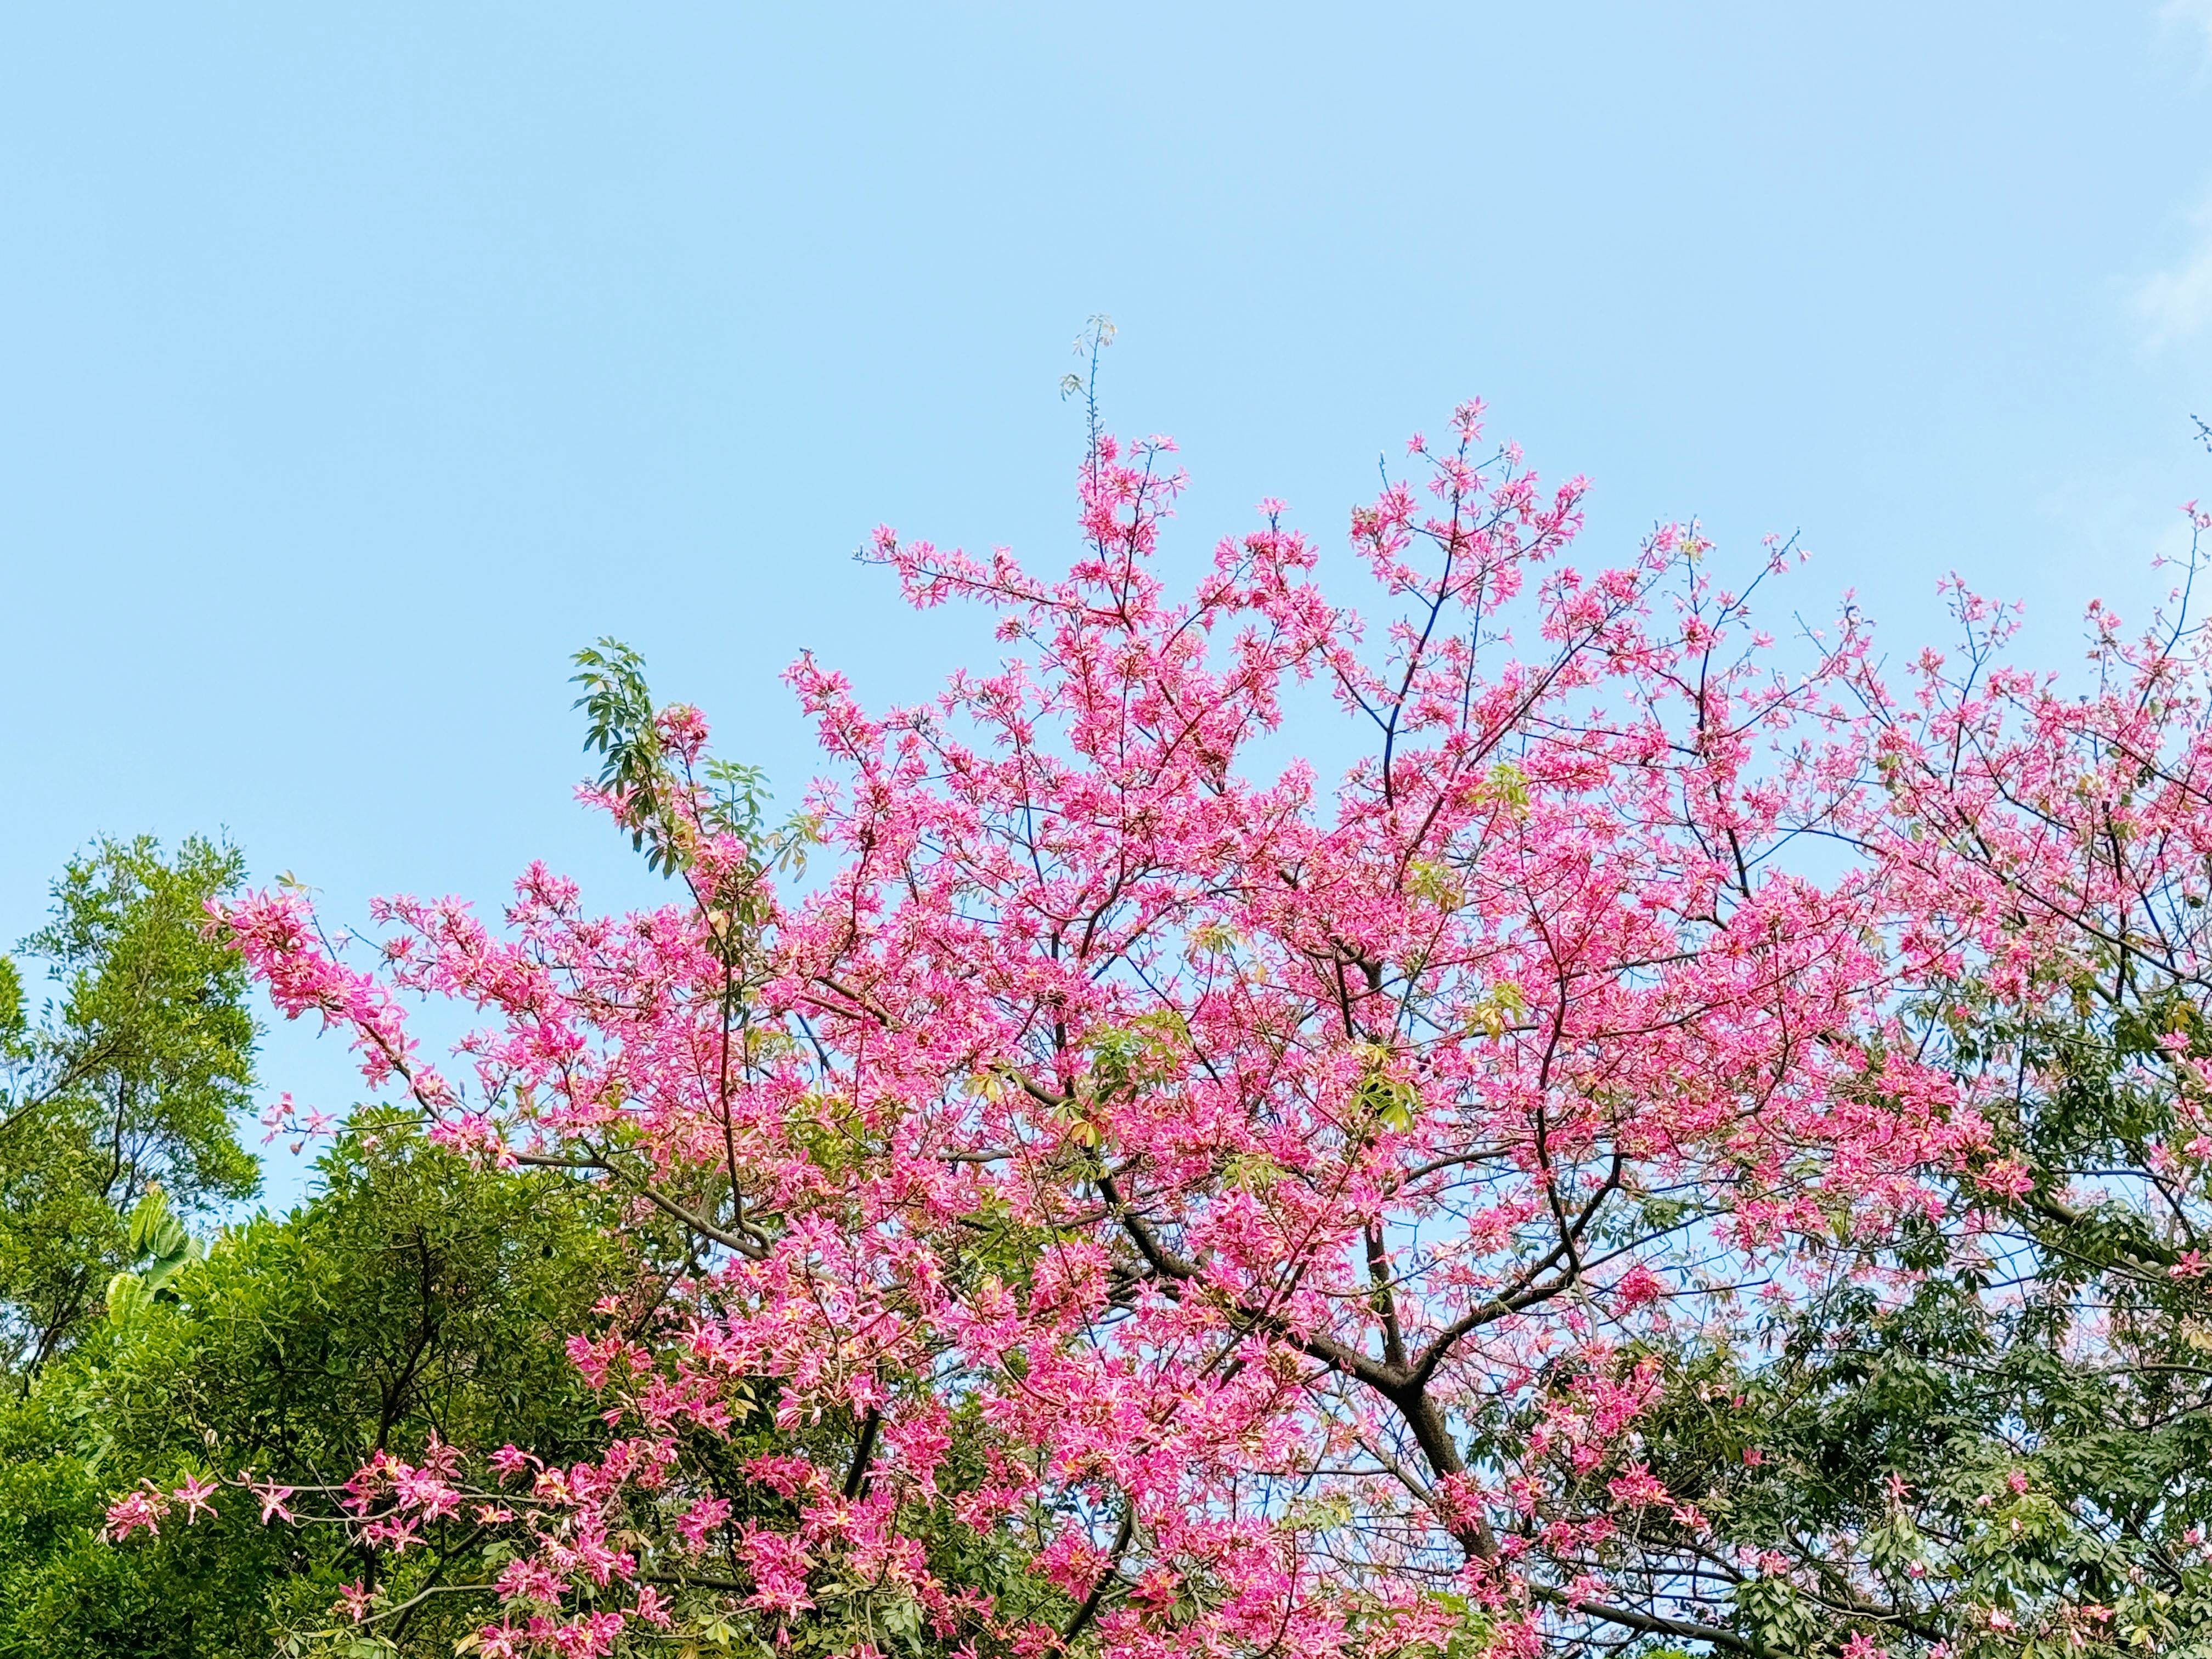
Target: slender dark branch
(1652, 1624)
(856, 1478)
(1088, 1610)
(660, 1200)
(1165, 1262)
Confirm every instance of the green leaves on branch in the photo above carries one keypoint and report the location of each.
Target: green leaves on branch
(1382, 1098)
(131, 1078)
(670, 793)
(619, 712)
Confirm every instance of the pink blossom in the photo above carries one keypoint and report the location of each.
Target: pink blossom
(193, 1494)
(143, 1508)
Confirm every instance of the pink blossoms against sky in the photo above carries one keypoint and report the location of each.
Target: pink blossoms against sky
(1249, 1201)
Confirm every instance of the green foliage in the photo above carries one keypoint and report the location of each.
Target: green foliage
(669, 797)
(130, 1081)
(414, 1296)
(1985, 1423)
(618, 713)
(160, 1239)
(13, 1021)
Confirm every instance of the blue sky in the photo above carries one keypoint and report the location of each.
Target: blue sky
(354, 370)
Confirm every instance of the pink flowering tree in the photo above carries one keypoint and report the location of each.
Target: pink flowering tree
(1985, 1427)
(2048, 844)
(1143, 1196)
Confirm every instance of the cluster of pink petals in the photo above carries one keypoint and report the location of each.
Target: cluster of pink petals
(146, 1506)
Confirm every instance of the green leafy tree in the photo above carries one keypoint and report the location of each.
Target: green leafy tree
(1991, 1427)
(130, 1081)
(415, 1300)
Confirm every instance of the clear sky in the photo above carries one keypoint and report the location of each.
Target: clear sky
(355, 369)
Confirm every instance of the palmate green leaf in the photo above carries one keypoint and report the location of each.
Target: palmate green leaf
(128, 1296)
(737, 798)
(158, 1240)
(156, 1232)
(1387, 1100)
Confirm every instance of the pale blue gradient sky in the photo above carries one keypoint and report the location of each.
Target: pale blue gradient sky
(354, 370)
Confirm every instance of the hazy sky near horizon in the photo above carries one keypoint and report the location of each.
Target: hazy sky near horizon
(355, 369)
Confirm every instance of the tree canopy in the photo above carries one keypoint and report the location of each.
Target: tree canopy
(413, 1303)
(130, 1080)
(1691, 1142)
